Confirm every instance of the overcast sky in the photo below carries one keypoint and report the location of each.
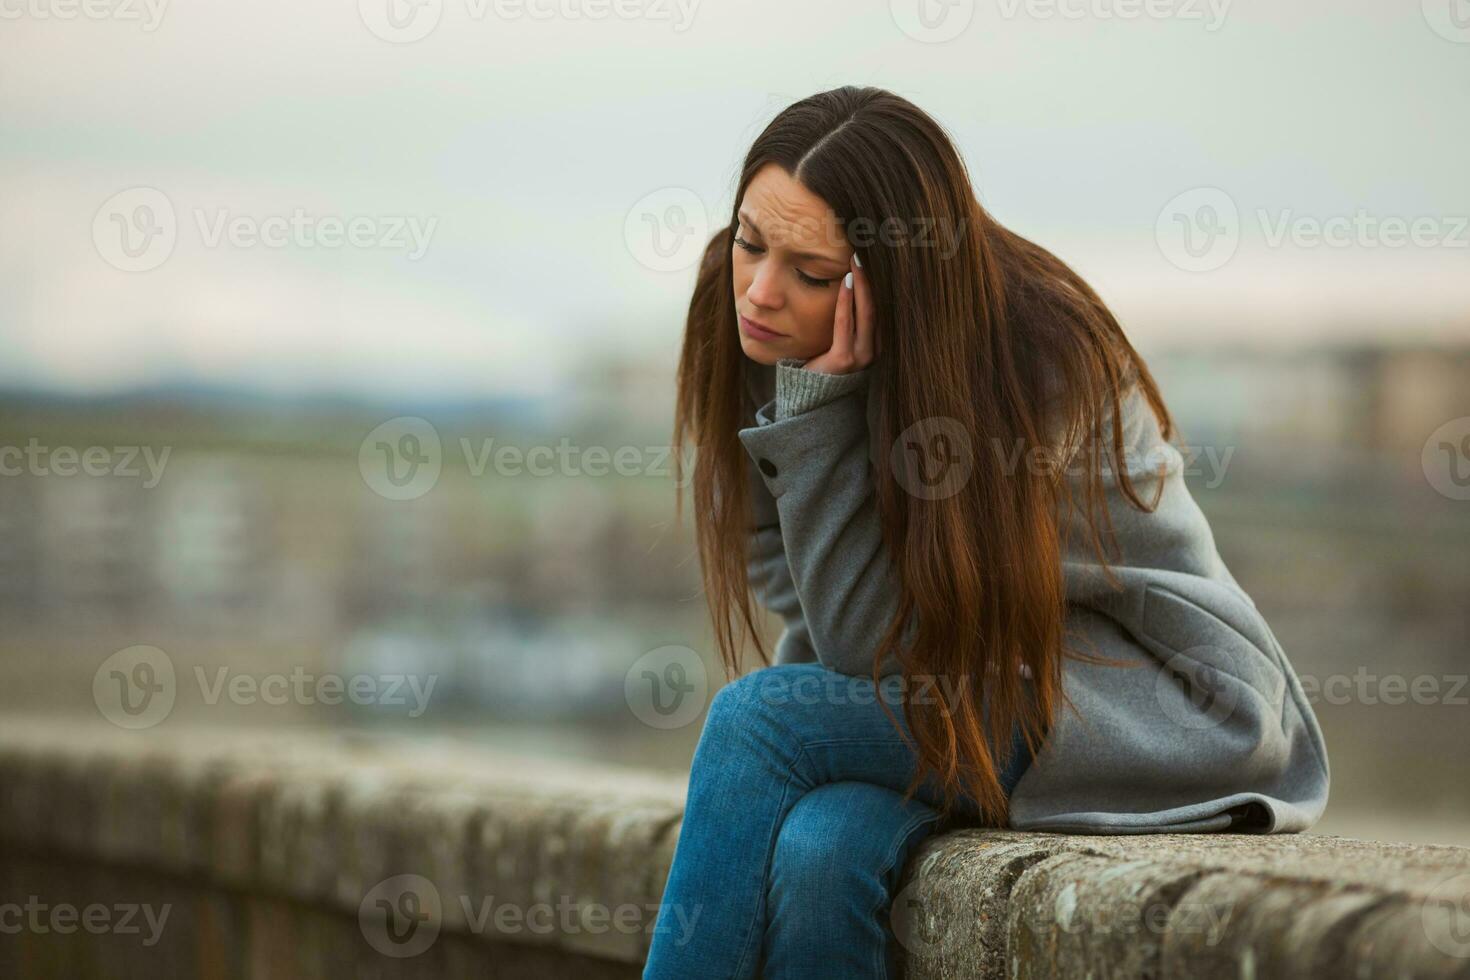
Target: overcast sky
(525, 152)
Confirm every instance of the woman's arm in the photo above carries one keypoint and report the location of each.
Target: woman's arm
(809, 448)
(766, 565)
(770, 577)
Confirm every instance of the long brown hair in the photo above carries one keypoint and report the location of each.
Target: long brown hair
(976, 326)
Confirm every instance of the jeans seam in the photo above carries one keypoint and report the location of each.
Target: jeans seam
(888, 863)
(801, 747)
(881, 958)
(791, 739)
(855, 741)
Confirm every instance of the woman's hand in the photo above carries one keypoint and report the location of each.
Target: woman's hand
(854, 335)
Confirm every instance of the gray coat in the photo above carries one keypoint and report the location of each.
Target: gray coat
(1208, 729)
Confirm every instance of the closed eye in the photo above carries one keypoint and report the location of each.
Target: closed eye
(806, 279)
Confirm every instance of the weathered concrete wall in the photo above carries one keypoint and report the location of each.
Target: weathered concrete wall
(283, 854)
(984, 904)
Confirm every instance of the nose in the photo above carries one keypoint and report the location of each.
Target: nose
(764, 291)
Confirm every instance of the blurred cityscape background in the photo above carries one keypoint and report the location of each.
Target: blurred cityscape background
(194, 379)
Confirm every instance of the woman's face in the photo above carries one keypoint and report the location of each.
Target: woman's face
(789, 258)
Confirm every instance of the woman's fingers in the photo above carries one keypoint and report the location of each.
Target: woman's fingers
(842, 324)
(864, 343)
(854, 342)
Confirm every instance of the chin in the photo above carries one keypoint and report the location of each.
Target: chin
(759, 352)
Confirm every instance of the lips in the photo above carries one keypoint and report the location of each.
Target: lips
(757, 329)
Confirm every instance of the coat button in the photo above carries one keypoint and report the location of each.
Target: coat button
(768, 467)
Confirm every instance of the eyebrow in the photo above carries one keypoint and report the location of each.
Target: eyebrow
(801, 255)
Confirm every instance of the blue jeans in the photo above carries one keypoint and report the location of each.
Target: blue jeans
(795, 831)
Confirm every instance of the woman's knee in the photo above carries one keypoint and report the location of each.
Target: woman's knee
(761, 691)
(839, 831)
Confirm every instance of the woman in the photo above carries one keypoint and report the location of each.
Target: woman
(926, 444)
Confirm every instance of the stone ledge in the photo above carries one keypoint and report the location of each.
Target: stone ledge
(1005, 904)
(322, 819)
